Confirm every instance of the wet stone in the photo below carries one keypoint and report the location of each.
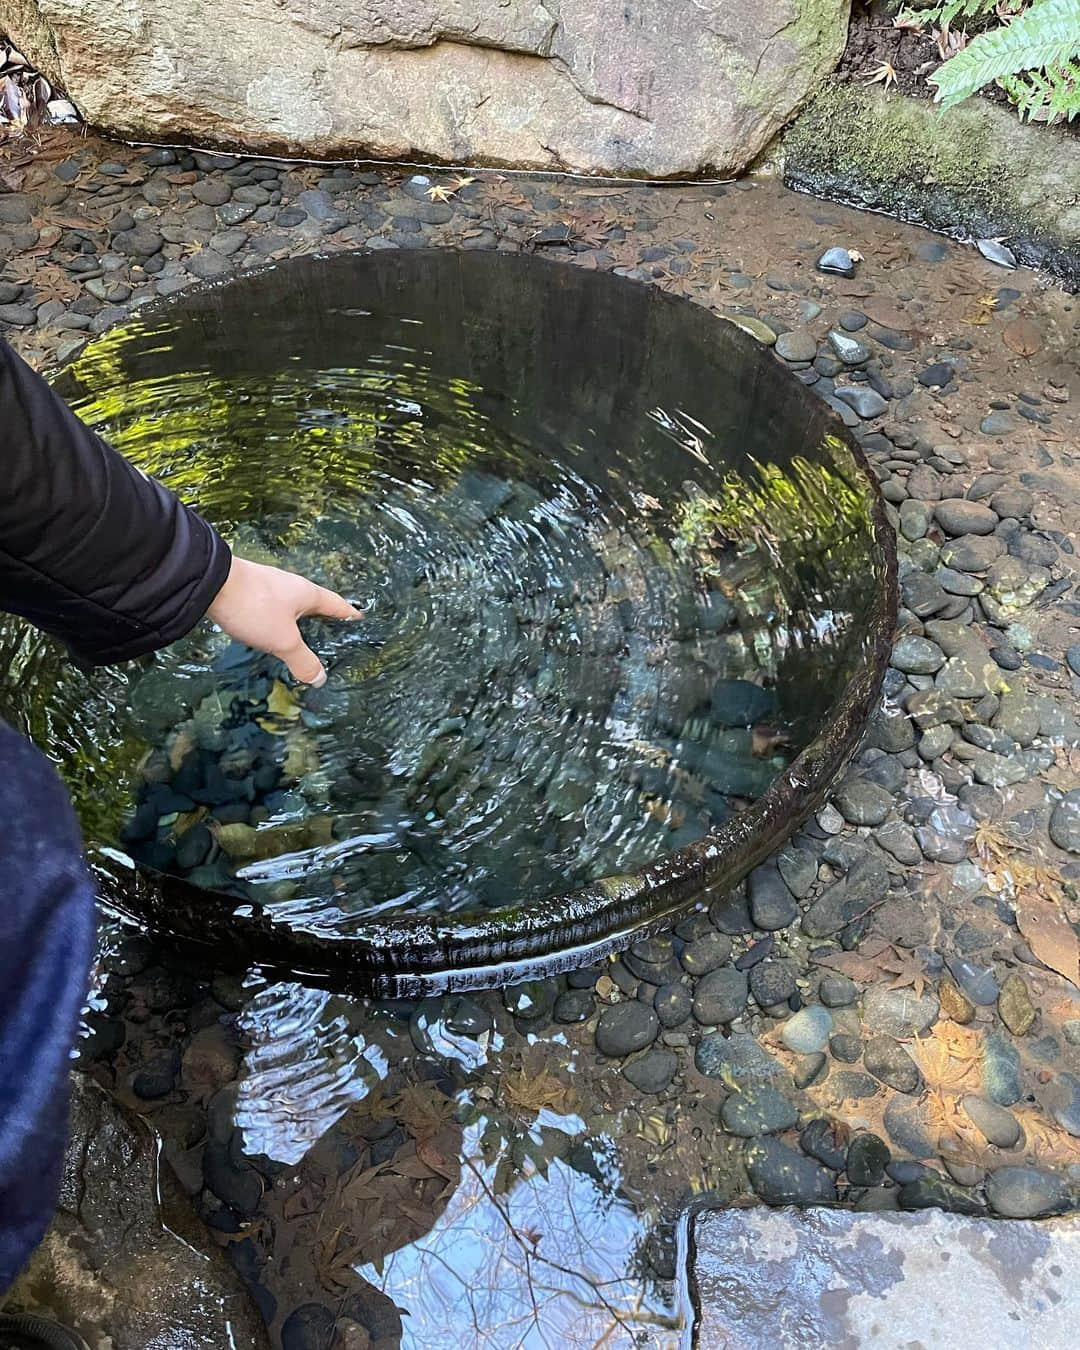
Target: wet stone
(954, 1004)
(845, 901)
(772, 982)
(731, 914)
(807, 1032)
(653, 1072)
(532, 1000)
(851, 351)
(867, 1158)
(772, 906)
(706, 953)
(1066, 1110)
(810, 1069)
(837, 991)
(838, 261)
(958, 516)
(898, 839)
(997, 424)
(1001, 1070)
(863, 400)
(936, 376)
(798, 345)
(720, 996)
(977, 982)
(914, 522)
(1025, 1192)
(931, 1191)
(626, 1028)
(157, 1076)
(897, 1012)
(1065, 822)
(575, 1005)
(757, 1110)
(917, 656)
(861, 802)
(781, 1176)
(890, 1062)
(740, 703)
(996, 1125)
(798, 867)
(673, 1004)
(1015, 1006)
(737, 1059)
(755, 953)
(847, 1049)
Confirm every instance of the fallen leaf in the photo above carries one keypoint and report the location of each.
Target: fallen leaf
(1049, 934)
(1023, 337)
(858, 965)
(907, 970)
(884, 74)
(888, 316)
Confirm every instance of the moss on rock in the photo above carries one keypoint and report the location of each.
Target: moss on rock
(974, 170)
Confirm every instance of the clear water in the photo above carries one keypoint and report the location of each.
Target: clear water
(606, 596)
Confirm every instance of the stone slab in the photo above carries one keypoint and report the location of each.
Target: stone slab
(767, 1279)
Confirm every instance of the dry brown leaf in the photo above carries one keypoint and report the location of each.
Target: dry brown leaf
(907, 970)
(532, 1092)
(858, 965)
(888, 316)
(424, 1110)
(1049, 934)
(1023, 337)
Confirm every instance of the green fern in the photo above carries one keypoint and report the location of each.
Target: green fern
(1046, 95)
(945, 11)
(1043, 42)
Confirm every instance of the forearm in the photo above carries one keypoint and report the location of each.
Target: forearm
(91, 550)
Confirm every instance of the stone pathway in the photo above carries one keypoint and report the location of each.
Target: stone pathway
(886, 1016)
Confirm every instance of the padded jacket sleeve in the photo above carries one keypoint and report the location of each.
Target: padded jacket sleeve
(91, 550)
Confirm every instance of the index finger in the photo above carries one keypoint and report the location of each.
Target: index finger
(330, 605)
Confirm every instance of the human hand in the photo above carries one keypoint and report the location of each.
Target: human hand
(260, 605)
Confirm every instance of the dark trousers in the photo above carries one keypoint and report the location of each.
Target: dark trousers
(47, 922)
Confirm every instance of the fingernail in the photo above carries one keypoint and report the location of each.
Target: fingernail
(319, 680)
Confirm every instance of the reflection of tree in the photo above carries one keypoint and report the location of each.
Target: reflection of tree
(540, 1260)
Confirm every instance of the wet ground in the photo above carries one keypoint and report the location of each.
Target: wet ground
(887, 1017)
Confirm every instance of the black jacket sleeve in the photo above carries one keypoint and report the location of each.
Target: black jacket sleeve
(91, 550)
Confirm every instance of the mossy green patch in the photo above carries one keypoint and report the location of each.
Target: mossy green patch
(974, 169)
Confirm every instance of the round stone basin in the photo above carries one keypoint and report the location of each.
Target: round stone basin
(628, 590)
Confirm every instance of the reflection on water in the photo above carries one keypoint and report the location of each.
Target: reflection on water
(548, 1262)
(606, 573)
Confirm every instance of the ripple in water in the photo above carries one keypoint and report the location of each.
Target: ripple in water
(605, 600)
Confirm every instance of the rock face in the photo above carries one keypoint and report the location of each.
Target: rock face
(126, 1261)
(612, 86)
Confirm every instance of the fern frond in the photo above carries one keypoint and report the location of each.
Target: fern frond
(1046, 36)
(1046, 95)
(948, 10)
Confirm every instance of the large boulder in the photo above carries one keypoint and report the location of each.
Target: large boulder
(611, 86)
